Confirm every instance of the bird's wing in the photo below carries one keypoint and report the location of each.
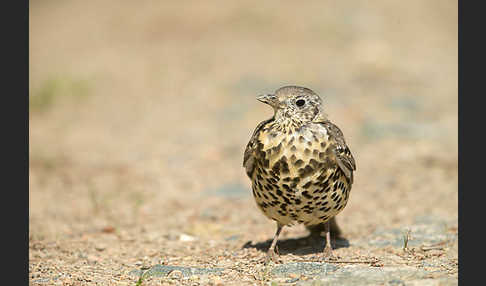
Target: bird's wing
(344, 158)
(249, 156)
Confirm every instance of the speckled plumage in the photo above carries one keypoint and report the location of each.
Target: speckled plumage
(299, 164)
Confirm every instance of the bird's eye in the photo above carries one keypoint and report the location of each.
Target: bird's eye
(300, 102)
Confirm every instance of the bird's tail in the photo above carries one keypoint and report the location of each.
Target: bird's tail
(319, 228)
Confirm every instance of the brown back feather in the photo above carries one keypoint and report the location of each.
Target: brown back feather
(343, 155)
(249, 156)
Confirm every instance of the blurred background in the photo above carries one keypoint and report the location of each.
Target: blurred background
(140, 111)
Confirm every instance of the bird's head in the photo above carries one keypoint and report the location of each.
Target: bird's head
(297, 104)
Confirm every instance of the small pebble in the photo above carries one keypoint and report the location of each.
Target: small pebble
(175, 274)
(185, 237)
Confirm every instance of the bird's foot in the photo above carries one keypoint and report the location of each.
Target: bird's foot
(327, 255)
(272, 256)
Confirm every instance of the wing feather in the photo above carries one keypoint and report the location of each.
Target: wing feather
(249, 156)
(345, 159)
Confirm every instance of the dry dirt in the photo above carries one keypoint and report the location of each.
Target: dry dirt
(140, 112)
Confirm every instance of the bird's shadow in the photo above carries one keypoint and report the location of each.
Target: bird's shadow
(311, 244)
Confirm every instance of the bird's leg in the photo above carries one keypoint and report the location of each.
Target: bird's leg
(271, 255)
(334, 228)
(328, 248)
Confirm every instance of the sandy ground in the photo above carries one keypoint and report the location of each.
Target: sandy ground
(140, 112)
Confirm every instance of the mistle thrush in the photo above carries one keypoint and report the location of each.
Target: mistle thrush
(299, 164)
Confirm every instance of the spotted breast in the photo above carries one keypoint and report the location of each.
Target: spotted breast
(296, 177)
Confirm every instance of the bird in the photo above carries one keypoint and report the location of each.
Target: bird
(300, 167)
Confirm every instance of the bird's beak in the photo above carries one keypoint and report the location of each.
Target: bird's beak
(269, 99)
